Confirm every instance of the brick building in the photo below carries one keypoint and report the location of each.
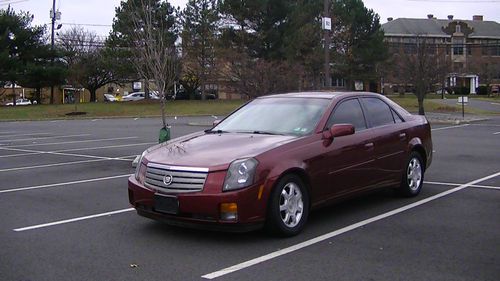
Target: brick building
(470, 47)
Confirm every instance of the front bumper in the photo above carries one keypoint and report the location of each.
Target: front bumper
(202, 209)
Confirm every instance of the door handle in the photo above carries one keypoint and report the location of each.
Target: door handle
(369, 145)
(402, 135)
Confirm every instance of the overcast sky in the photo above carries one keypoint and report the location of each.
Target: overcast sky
(97, 15)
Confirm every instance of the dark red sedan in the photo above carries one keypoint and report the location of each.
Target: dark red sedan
(277, 157)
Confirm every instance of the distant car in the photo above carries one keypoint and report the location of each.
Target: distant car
(183, 95)
(139, 96)
(276, 158)
(110, 97)
(22, 102)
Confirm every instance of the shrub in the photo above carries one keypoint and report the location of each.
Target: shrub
(482, 90)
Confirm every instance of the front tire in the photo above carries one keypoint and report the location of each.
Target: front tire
(413, 176)
(289, 207)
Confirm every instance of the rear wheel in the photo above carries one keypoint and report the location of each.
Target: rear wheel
(413, 176)
(289, 207)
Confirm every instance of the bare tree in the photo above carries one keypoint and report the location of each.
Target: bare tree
(253, 77)
(91, 65)
(155, 56)
(421, 64)
(487, 71)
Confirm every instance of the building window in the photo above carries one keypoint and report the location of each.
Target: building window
(458, 47)
(458, 28)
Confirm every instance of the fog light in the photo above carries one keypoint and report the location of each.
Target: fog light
(229, 211)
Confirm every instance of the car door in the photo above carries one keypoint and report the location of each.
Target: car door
(390, 139)
(347, 163)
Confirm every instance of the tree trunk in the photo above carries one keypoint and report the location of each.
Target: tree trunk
(13, 93)
(420, 98)
(146, 89)
(93, 96)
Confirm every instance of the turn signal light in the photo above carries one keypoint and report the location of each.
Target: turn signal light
(229, 211)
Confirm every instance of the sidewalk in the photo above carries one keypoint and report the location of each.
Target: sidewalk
(454, 118)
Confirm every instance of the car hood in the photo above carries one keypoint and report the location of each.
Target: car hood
(213, 151)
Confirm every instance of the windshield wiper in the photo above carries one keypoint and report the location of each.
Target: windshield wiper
(210, 131)
(257, 132)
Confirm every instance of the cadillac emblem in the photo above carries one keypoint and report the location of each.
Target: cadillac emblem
(167, 179)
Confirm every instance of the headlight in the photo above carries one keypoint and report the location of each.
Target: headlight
(139, 169)
(240, 174)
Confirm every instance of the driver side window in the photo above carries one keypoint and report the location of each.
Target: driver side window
(348, 112)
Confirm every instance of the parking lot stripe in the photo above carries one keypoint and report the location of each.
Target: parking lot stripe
(20, 135)
(63, 184)
(73, 220)
(496, 133)
(456, 184)
(332, 234)
(63, 154)
(122, 158)
(70, 150)
(68, 142)
(450, 127)
(45, 138)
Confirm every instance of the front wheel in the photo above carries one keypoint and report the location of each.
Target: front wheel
(413, 176)
(289, 207)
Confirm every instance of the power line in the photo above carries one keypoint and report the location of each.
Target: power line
(8, 2)
(457, 1)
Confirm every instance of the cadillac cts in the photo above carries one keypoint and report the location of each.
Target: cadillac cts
(276, 158)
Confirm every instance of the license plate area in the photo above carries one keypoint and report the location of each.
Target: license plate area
(166, 204)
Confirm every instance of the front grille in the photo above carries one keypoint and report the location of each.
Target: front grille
(184, 179)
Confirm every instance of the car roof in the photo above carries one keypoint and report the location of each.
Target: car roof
(317, 94)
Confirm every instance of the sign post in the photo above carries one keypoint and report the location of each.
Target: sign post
(463, 100)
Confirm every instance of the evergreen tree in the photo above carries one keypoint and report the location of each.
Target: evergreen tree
(357, 40)
(20, 44)
(200, 21)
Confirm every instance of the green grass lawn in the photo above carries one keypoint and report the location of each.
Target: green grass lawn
(182, 108)
(118, 109)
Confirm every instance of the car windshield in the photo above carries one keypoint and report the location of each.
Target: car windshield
(277, 115)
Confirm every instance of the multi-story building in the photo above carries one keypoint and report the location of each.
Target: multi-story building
(471, 48)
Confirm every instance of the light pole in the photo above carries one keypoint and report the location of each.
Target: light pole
(53, 22)
(327, 26)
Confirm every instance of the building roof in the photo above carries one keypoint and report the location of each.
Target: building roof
(434, 27)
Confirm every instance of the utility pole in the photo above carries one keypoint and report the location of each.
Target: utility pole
(53, 21)
(327, 26)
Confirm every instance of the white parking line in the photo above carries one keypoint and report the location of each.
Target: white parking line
(21, 135)
(62, 184)
(456, 184)
(122, 158)
(45, 138)
(73, 220)
(450, 127)
(68, 142)
(73, 149)
(332, 234)
(497, 133)
(60, 153)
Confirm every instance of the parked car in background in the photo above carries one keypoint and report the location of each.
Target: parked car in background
(276, 158)
(139, 96)
(110, 98)
(22, 102)
(183, 95)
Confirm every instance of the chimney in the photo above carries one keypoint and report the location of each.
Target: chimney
(450, 17)
(477, 17)
(430, 16)
(390, 19)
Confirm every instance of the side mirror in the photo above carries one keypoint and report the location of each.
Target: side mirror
(337, 130)
(215, 123)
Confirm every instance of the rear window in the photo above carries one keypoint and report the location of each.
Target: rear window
(378, 112)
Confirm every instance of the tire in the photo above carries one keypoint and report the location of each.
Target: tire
(288, 207)
(413, 176)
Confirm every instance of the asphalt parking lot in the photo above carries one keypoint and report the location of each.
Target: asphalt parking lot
(64, 215)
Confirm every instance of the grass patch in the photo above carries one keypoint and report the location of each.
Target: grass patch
(118, 109)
